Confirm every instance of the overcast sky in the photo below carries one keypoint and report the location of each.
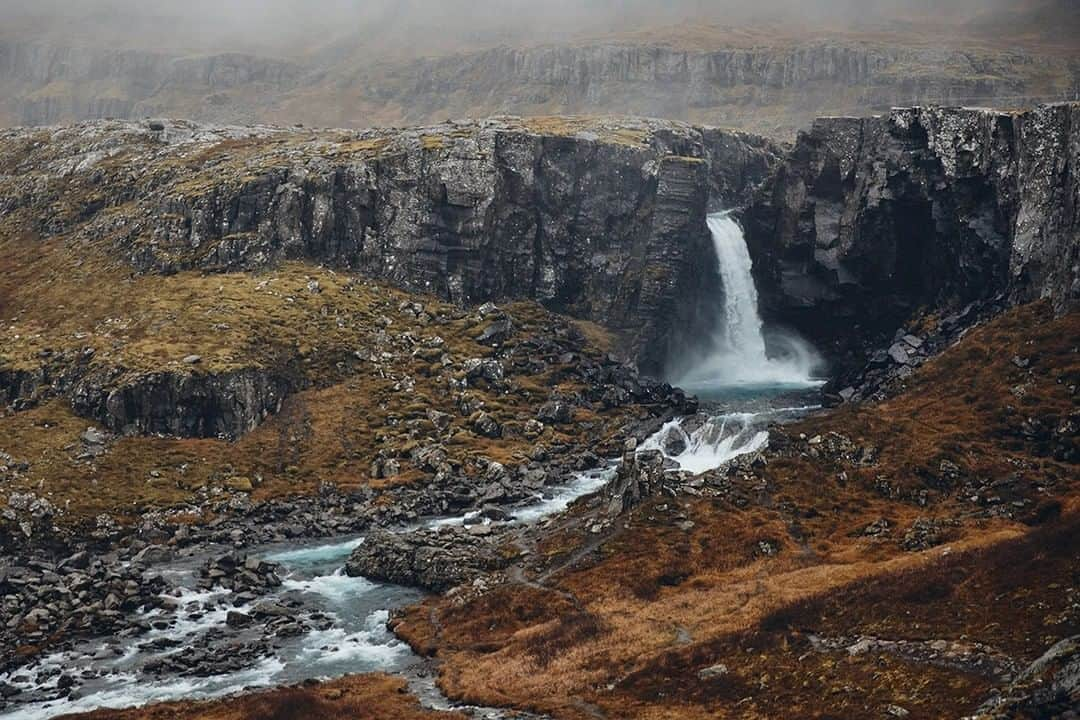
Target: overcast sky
(296, 26)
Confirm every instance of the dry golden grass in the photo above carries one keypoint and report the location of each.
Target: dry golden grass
(654, 603)
(363, 697)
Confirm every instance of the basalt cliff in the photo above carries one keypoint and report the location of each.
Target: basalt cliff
(217, 339)
(870, 220)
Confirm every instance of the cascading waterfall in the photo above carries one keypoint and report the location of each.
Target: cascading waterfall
(736, 370)
(736, 355)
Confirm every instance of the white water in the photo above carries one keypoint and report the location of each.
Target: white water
(719, 440)
(736, 354)
(736, 373)
(357, 642)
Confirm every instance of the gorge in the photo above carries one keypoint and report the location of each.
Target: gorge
(283, 405)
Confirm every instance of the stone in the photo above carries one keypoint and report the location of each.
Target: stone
(556, 412)
(153, 555)
(428, 559)
(93, 436)
(485, 425)
(240, 483)
(193, 359)
(497, 332)
(713, 672)
(899, 354)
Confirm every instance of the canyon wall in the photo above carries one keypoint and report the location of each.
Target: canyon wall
(773, 86)
(870, 219)
(601, 220)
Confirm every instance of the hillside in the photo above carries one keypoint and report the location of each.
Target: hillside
(771, 76)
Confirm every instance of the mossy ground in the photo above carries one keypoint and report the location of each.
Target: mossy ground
(622, 626)
(370, 370)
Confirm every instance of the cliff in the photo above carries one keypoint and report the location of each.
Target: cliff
(49, 82)
(602, 220)
(860, 227)
(773, 88)
(868, 220)
(759, 81)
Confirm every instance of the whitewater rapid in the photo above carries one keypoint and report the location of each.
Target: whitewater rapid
(354, 639)
(744, 388)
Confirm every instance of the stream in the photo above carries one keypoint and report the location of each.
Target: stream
(343, 629)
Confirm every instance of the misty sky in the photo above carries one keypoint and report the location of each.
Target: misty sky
(302, 26)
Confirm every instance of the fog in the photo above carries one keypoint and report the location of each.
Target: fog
(298, 27)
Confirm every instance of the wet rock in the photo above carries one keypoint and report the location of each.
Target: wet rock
(153, 555)
(640, 475)
(239, 574)
(432, 560)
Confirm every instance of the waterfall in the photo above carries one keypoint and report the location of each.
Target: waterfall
(735, 354)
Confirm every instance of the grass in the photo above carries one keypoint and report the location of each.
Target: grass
(364, 697)
(363, 387)
(653, 603)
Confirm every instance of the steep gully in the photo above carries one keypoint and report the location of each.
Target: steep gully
(745, 388)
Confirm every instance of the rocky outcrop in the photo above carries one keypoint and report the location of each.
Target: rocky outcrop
(602, 220)
(432, 560)
(228, 404)
(869, 219)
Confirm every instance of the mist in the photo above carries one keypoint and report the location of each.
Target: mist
(424, 27)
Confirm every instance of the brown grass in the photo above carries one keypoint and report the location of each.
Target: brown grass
(663, 602)
(363, 697)
(59, 299)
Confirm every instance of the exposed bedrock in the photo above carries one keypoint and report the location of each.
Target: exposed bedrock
(868, 220)
(605, 224)
(227, 405)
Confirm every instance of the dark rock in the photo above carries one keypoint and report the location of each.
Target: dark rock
(485, 425)
(497, 332)
(869, 219)
(181, 404)
(432, 560)
(556, 412)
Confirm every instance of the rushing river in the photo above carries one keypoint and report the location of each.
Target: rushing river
(743, 389)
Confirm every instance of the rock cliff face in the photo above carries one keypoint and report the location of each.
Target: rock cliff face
(182, 405)
(46, 83)
(869, 219)
(600, 220)
(770, 85)
(784, 86)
